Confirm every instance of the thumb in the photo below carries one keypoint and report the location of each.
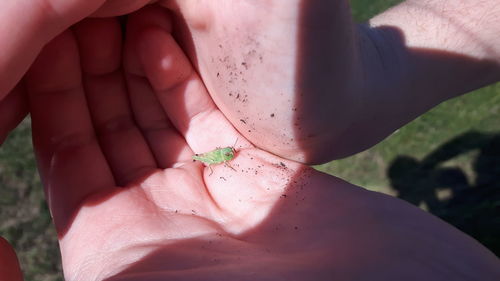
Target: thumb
(27, 25)
(9, 266)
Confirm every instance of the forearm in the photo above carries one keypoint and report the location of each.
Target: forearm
(420, 53)
(466, 27)
(458, 43)
(442, 48)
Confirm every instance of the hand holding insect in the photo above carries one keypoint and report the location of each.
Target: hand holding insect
(129, 204)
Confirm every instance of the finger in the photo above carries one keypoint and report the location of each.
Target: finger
(9, 265)
(168, 146)
(121, 140)
(182, 93)
(27, 25)
(71, 163)
(13, 110)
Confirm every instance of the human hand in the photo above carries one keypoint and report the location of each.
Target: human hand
(22, 37)
(299, 79)
(279, 72)
(99, 125)
(25, 27)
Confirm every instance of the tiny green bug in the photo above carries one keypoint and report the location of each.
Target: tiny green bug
(217, 156)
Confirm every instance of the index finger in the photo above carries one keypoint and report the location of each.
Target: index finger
(182, 94)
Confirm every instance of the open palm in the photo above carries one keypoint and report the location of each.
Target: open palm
(287, 74)
(114, 150)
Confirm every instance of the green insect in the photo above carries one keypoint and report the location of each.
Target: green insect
(217, 156)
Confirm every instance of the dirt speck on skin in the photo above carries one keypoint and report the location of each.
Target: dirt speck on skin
(272, 114)
(282, 165)
(251, 52)
(243, 121)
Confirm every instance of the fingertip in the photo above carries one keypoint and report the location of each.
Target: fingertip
(56, 67)
(151, 16)
(99, 43)
(111, 8)
(9, 265)
(136, 22)
(165, 64)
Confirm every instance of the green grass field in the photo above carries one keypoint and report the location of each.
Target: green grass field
(446, 161)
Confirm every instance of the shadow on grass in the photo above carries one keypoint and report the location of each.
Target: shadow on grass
(472, 205)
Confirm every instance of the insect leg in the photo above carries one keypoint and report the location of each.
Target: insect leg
(229, 165)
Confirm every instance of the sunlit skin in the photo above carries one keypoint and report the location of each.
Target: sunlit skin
(335, 88)
(115, 126)
(272, 214)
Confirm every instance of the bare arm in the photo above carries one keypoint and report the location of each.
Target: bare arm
(302, 81)
(419, 54)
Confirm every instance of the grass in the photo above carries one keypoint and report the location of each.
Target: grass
(475, 112)
(446, 162)
(24, 217)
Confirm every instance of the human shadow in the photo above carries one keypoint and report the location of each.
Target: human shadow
(472, 204)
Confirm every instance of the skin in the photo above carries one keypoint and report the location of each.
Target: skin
(390, 64)
(336, 97)
(137, 122)
(173, 220)
(9, 265)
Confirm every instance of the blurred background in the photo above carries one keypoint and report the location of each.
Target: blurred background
(446, 162)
